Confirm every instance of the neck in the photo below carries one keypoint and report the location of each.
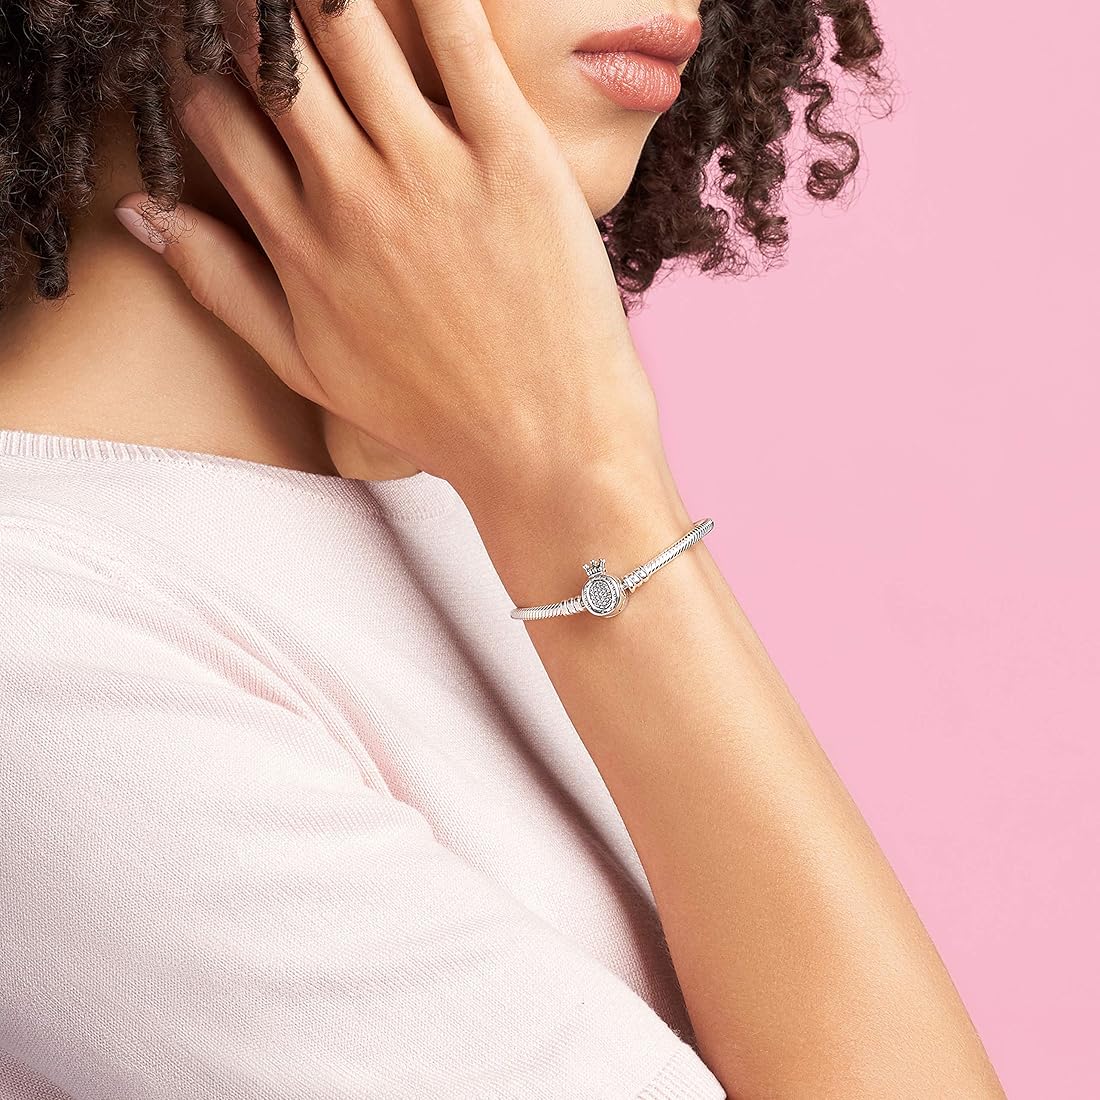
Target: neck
(130, 356)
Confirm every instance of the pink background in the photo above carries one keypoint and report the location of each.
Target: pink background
(897, 437)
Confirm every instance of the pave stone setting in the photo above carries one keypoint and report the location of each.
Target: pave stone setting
(603, 594)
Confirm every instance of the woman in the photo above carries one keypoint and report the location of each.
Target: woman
(292, 805)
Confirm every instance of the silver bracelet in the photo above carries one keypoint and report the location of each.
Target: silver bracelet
(604, 594)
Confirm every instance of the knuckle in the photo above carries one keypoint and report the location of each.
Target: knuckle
(339, 171)
(295, 246)
(422, 185)
(463, 42)
(510, 169)
(354, 210)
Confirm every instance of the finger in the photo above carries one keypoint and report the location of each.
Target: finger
(243, 148)
(228, 277)
(482, 92)
(293, 85)
(373, 75)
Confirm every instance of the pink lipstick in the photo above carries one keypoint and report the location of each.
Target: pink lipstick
(638, 67)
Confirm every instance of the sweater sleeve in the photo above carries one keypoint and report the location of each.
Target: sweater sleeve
(201, 893)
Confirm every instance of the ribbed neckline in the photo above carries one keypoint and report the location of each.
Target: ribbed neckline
(418, 496)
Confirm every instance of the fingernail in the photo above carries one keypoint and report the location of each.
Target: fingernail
(140, 228)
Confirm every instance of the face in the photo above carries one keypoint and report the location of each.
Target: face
(601, 138)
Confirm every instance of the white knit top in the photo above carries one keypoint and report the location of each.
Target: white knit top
(290, 809)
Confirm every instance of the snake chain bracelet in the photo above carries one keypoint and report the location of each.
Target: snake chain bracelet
(604, 594)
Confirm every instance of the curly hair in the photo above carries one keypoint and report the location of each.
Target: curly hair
(64, 63)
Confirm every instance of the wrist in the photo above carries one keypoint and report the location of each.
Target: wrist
(551, 519)
(533, 453)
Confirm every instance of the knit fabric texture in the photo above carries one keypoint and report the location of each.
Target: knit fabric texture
(289, 808)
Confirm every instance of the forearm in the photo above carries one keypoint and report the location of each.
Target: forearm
(803, 965)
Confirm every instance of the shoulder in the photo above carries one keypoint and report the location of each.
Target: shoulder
(74, 597)
(107, 658)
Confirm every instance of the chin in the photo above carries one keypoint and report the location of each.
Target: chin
(604, 190)
(604, 166)
(604, 200)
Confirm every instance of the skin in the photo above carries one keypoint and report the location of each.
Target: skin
(804, 967)
(180, 379)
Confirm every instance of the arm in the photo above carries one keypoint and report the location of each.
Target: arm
(804, 967)
(397, 290)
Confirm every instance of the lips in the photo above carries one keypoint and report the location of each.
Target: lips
(637, 67)
(667, 37)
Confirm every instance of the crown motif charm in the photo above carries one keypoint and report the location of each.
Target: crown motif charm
(603, 594)
(594, 566)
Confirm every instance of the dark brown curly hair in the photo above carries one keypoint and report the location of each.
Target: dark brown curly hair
(64, 63)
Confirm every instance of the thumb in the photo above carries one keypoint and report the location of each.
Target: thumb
(227, 276)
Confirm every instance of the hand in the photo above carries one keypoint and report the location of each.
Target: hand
(431, 274)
